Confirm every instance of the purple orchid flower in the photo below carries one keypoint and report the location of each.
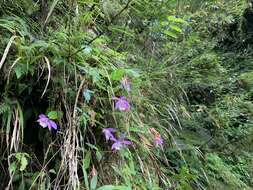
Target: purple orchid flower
(44, 122)
(125, 83)
(108, 132)
(118, 143)
(121, 103)
(158, 140)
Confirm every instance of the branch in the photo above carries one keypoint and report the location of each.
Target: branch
(49, 76)
(6, 51)
(101, 33)
(120, 12)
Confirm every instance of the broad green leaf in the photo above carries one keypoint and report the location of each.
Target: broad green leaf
(117, 74)
(13, 167)
(86, 181)
(164, 23)
(21, 157)
(86, 160)
(174, 19)
(93, 182)
(19, 71)
(99, 155)
(53, 115)
(169, 33)
(176, 28)
(24, 163)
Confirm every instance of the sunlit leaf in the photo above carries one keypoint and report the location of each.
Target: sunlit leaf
(86, 160)
(176, 28)
(53, 115)
(117, 74)
(170, 34)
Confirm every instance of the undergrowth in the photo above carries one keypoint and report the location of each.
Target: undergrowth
(126, 95)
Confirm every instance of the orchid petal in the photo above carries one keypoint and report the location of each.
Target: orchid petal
(108, 133)
(117, 145)
(42, 116)
(43, 122)
(121, 103)
(52, 124)
(126, 142)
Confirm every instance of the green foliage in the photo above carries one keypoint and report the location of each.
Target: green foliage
(111, 187)
(211, 66)
(222, 171)
(246, 79)
(189, 64)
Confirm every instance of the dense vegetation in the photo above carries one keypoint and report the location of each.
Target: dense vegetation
(126, 94)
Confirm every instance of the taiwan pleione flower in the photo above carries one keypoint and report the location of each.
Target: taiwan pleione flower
(125, 83)
(118, 143)
(121, 103)
(44, 122)
(158, 141)
(108, 132)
